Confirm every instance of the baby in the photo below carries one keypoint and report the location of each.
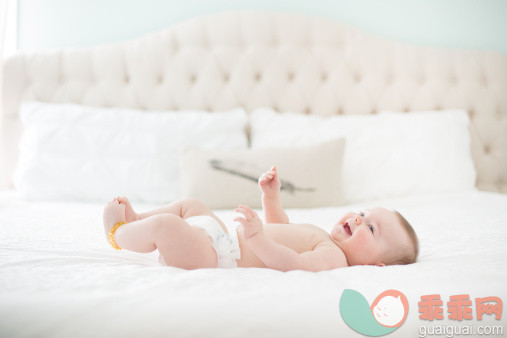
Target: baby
(189, 235)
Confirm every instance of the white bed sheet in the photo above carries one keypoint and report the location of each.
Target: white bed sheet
(59, 277)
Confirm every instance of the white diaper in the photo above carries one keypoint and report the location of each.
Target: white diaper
(226, 245)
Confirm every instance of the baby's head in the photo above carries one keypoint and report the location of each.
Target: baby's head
(376, 236)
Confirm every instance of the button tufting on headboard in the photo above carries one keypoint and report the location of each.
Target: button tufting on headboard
(308, 64)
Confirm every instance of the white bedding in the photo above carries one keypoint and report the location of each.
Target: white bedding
(59, 277)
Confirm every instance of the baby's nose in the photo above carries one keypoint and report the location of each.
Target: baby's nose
(357, 219)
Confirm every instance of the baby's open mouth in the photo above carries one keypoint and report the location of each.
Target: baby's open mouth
(347, 230)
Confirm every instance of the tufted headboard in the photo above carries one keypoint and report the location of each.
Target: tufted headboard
(291, 62)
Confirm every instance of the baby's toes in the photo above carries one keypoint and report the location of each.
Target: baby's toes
(111, 202)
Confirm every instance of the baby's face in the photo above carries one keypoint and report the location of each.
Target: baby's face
(366, 237)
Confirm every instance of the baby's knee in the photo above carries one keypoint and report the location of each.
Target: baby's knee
(163, 222)
(191, 202)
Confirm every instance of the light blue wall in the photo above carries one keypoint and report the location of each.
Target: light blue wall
(480, 24)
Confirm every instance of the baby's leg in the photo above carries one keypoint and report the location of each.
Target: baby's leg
(184, 208)
(180, 244)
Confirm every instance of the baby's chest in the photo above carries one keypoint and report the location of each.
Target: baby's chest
(299, 237)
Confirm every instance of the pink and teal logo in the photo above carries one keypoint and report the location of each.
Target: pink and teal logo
(386, 314)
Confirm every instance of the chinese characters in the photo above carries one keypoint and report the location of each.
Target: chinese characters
(459, 307)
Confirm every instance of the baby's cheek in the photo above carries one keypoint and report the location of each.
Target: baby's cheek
(359, 235)
(363, 238)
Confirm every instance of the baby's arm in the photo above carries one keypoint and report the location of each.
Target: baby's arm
(270, 185)
(279, 257)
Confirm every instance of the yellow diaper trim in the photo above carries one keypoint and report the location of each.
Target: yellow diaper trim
(110, 237)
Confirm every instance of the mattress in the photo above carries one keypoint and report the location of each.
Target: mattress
(59, 277)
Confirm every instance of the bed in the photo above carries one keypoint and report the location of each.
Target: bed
(58, 277)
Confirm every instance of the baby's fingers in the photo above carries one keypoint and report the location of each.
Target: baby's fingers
(248, 209)
(267, 175)
(245, 212)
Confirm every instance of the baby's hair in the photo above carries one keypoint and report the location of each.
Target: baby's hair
(410, 253)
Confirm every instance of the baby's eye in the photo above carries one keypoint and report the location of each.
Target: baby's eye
(361, 214)
(371, 228)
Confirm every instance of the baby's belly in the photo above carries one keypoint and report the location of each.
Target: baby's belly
(305, 241)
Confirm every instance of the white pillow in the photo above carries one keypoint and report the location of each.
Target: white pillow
(386, 155)
(70, 151)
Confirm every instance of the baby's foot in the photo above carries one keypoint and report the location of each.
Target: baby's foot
(114, 212)
(130, 214)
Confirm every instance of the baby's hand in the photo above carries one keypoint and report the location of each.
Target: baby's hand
(252, 224)
(269, 182)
